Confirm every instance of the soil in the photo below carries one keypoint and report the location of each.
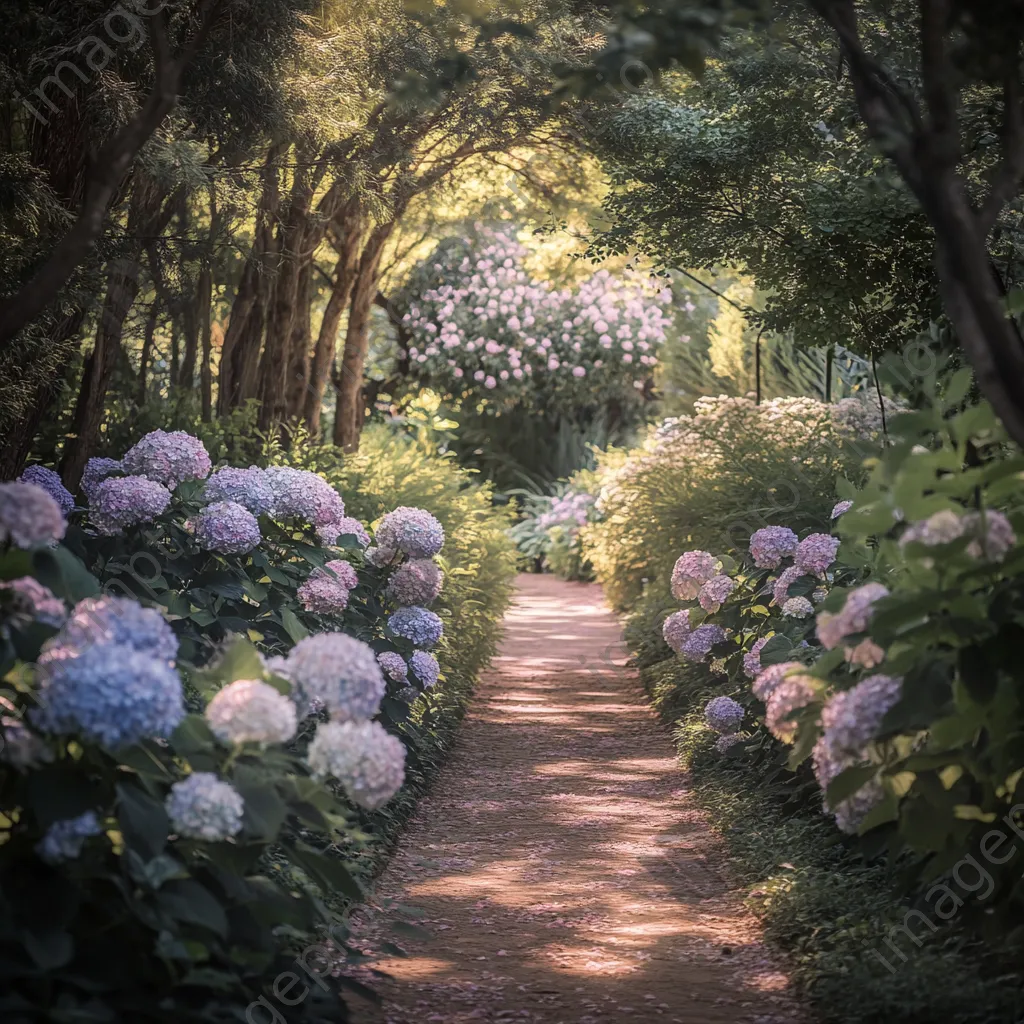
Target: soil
(563, 870)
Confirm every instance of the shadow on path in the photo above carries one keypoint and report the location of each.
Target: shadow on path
(565, 873)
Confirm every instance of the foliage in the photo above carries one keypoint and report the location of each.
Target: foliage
(710, 480)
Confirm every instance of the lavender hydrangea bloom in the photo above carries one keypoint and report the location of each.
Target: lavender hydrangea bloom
(300, 494)
(941, 527)
(851, 718)
(30, 601)
(765, 684)
(728, 741)
(849, 813)
(118, 620)
(691, 570)
(840, 508)
(168, 458)
(714, 593)
(64, 839)
(249, 488)
(790, 695)
(418, 581)
(752, 659)
(780, 589)
(29, 517)
(697, 645)
(993, 534)
(724, 715)
(52, 484)
(226, 527)
(326, 592)
(381, 557)
(797, 608)
(96, 471)
(21, 748)
(340, 671)
(413, 531)
(676, 628)
(110, 694)
(122, 501)
(393, 665)
(205, 807)
(768, 546)
(367, 761)
(418, 625)
(251, 711)
(425, 668)
(853, 617)
(814, 554)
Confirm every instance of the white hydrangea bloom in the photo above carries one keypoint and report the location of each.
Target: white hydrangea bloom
(340, 671)
(363, 757)
(250, 711)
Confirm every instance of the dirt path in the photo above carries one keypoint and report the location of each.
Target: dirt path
(565, 873)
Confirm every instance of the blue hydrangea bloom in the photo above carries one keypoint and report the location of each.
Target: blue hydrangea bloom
(119, 620)
(64, 839)
(52, 484)
(425, 667)
(205, 807)
(420, 625)
(109, 694)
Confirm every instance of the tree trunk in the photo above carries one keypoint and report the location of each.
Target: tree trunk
(299, 344)
(147, 352)
(349, 415)
(205, 314)
(327, 339)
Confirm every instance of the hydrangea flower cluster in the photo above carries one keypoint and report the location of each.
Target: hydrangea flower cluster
(771, 544)
(412, 531)
(942, 527)
(327, 590)
(168, 458)
(249, 488)
(21, 748)
(205, 807)
(691, 571)
(393, 666)
(300, 494)
(993, 535)
(840, 508)
(251, 711)
(52, 484)
(110, 694)
(117, 620)
(815, 553)
(676, 628)
(863, 416)
(418, 625)
(425, 668)
(96, 471)
(349, 527)
(714, 593)
(792, 693)
(728, 741)
(850, 720)
(853, 617)
(363, 757)
(481, 324)
(416, 582)
(724, 715)
(64, 839)
(797, 608)
(226, 527)
(752, 659)
(571, 510)
(766, 682)
(29, 601)
(698, 643)
(29, 516)
(123, 501)
(339, 671)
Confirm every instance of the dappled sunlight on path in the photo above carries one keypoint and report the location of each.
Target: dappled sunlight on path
(565, 873)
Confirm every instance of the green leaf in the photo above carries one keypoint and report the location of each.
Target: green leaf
(143, 821)
(61, 791)
(193, 736)
(193, 903)
(265, 811)
(330, 873)
(977, 674)
(296, 630)
(238, 660)
(778, 649)
(64, 574)
(848, 782)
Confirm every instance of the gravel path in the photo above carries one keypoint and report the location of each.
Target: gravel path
(565, 874)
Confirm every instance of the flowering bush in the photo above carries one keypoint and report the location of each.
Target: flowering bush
(482, 327)
(548, 534)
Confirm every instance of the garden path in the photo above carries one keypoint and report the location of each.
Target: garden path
(565, 872)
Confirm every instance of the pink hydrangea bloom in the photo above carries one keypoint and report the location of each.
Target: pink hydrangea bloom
(168, 458)
(816, 553)
(122, 501)
(691, 571)
(714, 593)
(768, 546)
